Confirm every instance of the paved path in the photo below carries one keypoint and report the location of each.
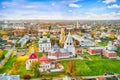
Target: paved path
(7, 55)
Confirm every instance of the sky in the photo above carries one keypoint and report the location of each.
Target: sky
(60, 9)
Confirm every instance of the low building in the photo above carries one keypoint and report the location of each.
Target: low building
(109, 54)
(6, 76)
(95, 50)
(117, 42)
(100, 78)
(45, 64)
(24, 40)
(86, 42)
(108, 51)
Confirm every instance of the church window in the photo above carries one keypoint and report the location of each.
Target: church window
(67, 43)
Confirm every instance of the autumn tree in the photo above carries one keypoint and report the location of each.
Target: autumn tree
(15, 68)
(35, 68)
(1, 54)
(33, 47)
(93, 33)
(70, 69)
(112, 35)
(80, 33)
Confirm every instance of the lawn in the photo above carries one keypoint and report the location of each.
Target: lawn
(102, 43)
(96, 67)
(5, 52)
(8, 65)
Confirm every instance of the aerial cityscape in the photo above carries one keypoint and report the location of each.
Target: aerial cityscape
(59, 39)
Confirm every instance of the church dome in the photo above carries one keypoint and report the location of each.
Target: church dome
(44, 34)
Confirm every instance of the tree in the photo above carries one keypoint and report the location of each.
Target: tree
(75, 43)
(35, 68)
(112, 35)
(49, 27)
(70, 69)
(15, 68)
(27, 77)
(1, 54)
(17, 45)
(93, 33)
(80, 33)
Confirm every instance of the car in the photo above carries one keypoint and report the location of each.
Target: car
(109, 73)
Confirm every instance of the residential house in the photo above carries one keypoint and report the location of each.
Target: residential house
(6, 76)
(45, 64)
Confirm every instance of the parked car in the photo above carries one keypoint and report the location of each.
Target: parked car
(109, 73)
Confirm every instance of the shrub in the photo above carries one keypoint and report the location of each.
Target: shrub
(26, 77)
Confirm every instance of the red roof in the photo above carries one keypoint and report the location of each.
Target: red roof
(33, 56)
(44, 60)
(100, 78)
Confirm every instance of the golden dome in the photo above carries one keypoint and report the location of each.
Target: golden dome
(44, 34)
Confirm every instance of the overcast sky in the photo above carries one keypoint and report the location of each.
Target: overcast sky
(60, 9)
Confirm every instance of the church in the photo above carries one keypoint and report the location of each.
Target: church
(68, 51)
(44, 42)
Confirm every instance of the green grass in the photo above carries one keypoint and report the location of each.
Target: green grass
(22, 70)
(5, 52)
(8, 65)
(96, 67)
(102, 44)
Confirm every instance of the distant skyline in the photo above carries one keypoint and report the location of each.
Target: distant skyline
(60, 9)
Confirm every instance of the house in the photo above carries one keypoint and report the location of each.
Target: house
(56, 52)
(86, 42)
(117, 42)
(57, 67)
(104, 35)
(45, 64)
(32, 57)
(109, 54)
(6, 76)
(66, 78)
(24, 40)
(44, 42)
(95, 50)
(100, 78)
(108, 51)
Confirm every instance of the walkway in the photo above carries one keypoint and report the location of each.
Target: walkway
(7, 55)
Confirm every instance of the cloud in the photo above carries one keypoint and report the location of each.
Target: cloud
(106, 16)
(114, 6)
(70, 10)
(109, 1)
(30, 6)
(74, 5)
(53, 4)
